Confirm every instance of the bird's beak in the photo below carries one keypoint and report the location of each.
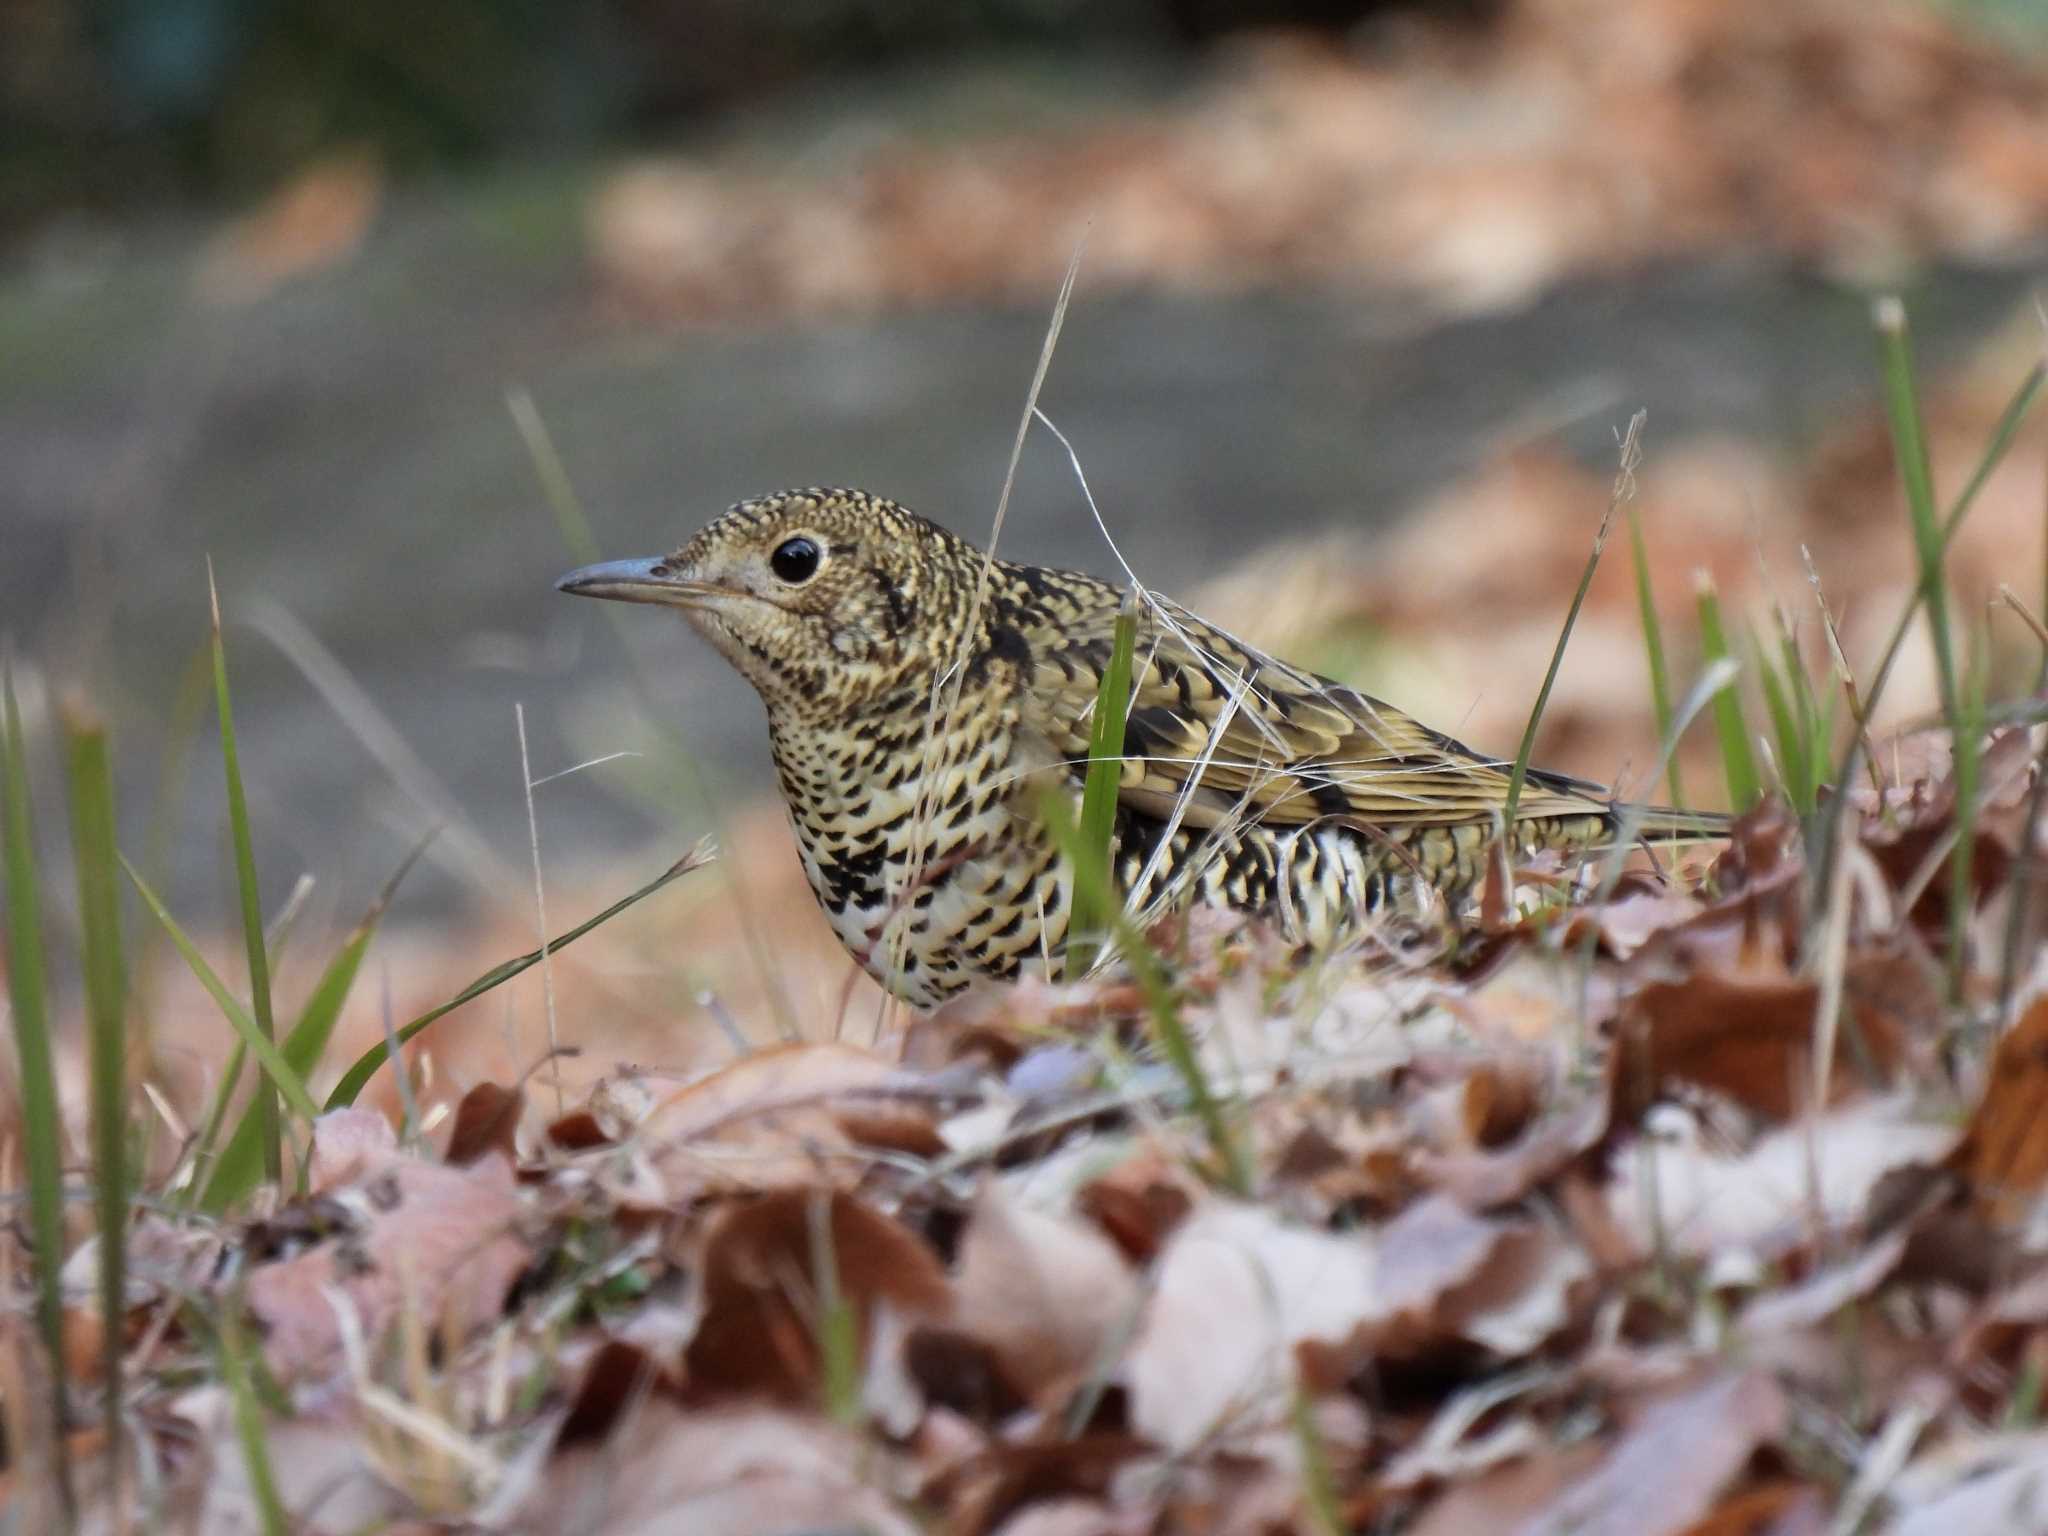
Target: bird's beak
(636, 581)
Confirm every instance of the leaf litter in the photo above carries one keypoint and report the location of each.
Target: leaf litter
(1581, 1237)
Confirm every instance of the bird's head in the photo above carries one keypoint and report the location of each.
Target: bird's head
(825, 600)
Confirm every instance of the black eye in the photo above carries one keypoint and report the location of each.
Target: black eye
(795, 560)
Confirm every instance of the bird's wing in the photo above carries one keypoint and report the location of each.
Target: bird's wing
(1219, 729)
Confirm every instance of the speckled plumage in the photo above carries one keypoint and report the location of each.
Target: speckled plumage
(1245, 781)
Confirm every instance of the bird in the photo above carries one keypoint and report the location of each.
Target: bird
(922, 695)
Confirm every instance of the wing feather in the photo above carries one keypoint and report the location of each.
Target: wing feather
(1217, 728)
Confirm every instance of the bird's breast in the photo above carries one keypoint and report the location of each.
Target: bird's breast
(923, 848)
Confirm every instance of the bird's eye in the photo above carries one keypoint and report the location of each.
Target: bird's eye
(795, 561)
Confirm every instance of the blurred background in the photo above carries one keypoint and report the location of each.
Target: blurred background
(396, 312)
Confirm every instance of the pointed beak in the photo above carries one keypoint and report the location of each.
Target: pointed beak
(635, 581)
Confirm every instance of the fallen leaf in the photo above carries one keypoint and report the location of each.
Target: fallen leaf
(1010, 1477)
(1668, 1471)
(2004, 1154)
(771, 1120)
(1799, 1307)
(1780, 1507)
(1139, 1203)
(1048, 1293)
(485, 1121)
(1235, 1291)
(1996, 1485)
(762, 1264)
(445, 1240)
(1072, 1517)
(733, 1472)
(1679, 1193)
(345, 1142)
(1501, 1097)
(1495, 1499)
(1748, 1036)
(1444, 1274)
(315, 1462)
(1501, 1176)
(616, 1377)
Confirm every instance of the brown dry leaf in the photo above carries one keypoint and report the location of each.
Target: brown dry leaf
(1640, 909)
(1443, 1273)
(1048, 1293)
(912, 1129)
(486, 1120)
(1497, 1499)
(1074, 1517)
(1010, 1477)
(614, 1379)
(762, 1262)
(578, 1131)
(1236, 1291)
(1669, 1470)
(1780, 1507)
(1482, 1179)
(770, 1120)
(1748, 1036)
(960, 1376)
(1501, 1097)
(345, 1143)
(735, 1472)
(445, 1240)
(1683, 1194)
(316, 1462)
(1140, 1202)
(2004, 1155)
(1919, 823)
(1991, 1485)
(1799, 1307)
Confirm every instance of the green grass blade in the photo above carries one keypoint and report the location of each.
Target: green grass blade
(237, 1373)
(366, 1066)
(209, 1132)
(1653, 646)
(41, 1115)
(91, 783)
(260, 1045)
(240, 1165)
(1899, 382)
(1930, 545)
(1731, 727)
(836, 1324)
(245, 884)
(1325, 1511)
(1167, 1025)
(1788, 729)
(1814, 722)
(1916, 474)
(1099, 793)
